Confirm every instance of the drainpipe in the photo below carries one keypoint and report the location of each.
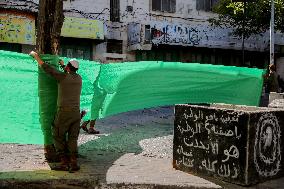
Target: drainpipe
(243, 37)
(272, 33)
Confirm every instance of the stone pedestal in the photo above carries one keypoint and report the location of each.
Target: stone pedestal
(238, 144)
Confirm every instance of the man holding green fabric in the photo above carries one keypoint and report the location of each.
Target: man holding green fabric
(68, 117)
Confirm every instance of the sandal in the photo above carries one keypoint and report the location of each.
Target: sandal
(93, 131)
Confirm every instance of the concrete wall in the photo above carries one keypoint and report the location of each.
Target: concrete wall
(280, 67)
(186, 17)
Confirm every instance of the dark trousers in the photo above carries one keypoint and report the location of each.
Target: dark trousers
(66, 130)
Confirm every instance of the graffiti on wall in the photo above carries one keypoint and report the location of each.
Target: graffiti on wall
(209, 142)
(133, 33)
(201, 35)
(17, 29)
(166, 33)
(82, 28)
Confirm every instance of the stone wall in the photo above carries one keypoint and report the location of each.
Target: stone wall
(238, 144)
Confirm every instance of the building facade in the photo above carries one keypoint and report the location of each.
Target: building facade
(134, 30)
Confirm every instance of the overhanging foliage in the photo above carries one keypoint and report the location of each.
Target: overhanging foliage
(254, 18)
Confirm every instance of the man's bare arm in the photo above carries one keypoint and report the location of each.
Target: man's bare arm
(47, 68)
(36, 57)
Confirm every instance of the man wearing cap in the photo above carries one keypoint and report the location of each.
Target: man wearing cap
(67, 120)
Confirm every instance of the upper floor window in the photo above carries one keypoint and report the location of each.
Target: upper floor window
(114, 10)
(164, 5)
(205, 5)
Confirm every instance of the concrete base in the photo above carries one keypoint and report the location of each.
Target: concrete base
(238, 144)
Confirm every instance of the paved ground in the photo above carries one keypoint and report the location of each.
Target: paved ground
(133, 151)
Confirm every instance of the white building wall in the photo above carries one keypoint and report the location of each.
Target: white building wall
(280, 67)
(92, 9)
(186, 16)
(100, 9)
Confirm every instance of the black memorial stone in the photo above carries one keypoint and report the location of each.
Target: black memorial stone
(237, 144)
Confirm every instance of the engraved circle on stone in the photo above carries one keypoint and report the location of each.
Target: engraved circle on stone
(267, 154)
(268, 141)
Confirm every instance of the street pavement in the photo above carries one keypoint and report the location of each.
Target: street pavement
(133, 151)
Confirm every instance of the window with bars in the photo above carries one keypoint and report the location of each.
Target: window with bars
(164, 5)
(206, 5)
(114, 46)
(114, 10)
(148, 34)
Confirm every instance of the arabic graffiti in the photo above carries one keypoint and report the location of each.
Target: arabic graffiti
(267, 151)
(166, 33)
(210, 141)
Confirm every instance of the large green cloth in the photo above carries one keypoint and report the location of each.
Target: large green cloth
(114, 88)
(47, 92)
(28, 97)
(129, 86)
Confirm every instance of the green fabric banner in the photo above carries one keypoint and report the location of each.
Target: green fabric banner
(47, 92)
(113, 88)
(129, 86)
(29, 96)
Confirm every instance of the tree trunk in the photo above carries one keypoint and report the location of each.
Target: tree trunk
(49, 24)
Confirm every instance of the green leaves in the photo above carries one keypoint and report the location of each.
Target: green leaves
(252, 17)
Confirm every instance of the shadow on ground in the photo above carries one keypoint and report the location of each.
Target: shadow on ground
(121, 135)
(99, 155)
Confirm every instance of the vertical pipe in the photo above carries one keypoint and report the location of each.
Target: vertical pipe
(243, 37)
(272, 33)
